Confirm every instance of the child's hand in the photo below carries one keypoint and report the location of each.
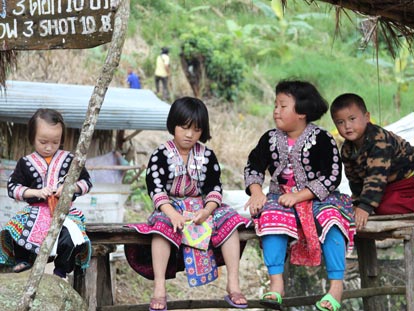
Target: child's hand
(58, 191)
(361, 218)
(289, 199)
(44, 193)
(201, 216)
(177, 220)
(255, 203)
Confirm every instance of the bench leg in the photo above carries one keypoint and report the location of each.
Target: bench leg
(94, 284)
(409, 270)
(368, 269)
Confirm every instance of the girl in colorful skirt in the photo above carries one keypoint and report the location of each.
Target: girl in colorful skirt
(190, 226)
(302, 205)
(38, 180)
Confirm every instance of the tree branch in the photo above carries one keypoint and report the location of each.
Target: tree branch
(95, 103)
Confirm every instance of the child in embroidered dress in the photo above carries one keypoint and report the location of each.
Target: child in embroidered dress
(38, 180)
(302, 204)
(183, 178)
(378, 163)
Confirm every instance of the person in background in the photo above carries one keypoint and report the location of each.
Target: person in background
(378, 163)
(38, 180)
(302, 205)
(133, 79)
(183, 181)
(162, 72)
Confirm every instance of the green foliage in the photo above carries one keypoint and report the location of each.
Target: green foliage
(301, 43)
(223, 66)
(139, 194)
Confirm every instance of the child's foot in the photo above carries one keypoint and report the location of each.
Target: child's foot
(328, 303)
(235, 295)
(158, 304)
(236, 299)
(331, 301)
(59, 272)
(21, 266)
(159, 296)
(271, 300)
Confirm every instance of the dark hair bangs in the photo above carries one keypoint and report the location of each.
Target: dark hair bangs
(189, 111)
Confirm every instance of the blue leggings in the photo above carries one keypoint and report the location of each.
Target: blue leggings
(333, 249)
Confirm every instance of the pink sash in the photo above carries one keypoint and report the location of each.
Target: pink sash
(307, 250)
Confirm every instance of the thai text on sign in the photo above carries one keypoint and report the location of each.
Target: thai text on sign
(55, 24)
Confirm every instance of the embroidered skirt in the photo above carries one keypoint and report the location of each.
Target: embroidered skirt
(225, 221)
(336, 209)
(30, 226)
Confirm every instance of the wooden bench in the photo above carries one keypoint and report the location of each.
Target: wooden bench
(95, 284)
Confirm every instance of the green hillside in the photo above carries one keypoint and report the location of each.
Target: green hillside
(268, 46)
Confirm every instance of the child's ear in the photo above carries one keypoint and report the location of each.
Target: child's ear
(368, 116)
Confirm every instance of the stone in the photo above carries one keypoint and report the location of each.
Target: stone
(54, 293)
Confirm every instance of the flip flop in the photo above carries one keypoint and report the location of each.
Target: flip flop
(161, 301)
(21, 266)
(230, 298)
(275, 304)
(334, 303)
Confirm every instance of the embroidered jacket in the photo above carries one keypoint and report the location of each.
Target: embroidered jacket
(383, 158)
(33, 172)
(167, 174)
(315, 161)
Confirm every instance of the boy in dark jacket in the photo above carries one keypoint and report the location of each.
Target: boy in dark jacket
(378, 163)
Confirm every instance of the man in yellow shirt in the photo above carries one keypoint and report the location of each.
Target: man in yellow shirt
(162, 71)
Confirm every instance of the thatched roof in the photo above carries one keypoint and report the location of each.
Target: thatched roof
(397, 12)
(394, 19)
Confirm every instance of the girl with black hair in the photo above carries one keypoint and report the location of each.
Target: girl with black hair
(38, 180)
(302, 205)
(183, 181)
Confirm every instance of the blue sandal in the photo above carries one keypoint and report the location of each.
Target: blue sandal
(272, 300)
(334, 303)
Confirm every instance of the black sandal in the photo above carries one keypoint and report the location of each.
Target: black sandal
(21, 266)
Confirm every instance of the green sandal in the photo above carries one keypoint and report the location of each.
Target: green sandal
(275, 303)
(334, 303)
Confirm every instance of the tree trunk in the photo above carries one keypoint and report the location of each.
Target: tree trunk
(95, 103)
(193, 71)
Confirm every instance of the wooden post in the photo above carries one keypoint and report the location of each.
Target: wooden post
(409, 270)
(368, 269)
(97, 288)
(95, 103)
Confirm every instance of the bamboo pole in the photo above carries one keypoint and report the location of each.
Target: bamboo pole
(95, 103)
(299, 301)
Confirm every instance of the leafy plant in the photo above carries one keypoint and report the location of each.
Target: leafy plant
(211, 64)
(139, 193)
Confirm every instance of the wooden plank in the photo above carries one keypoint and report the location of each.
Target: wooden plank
(116, 233)
(55, 24)
(254, 303)
(409, 216)
(389, 225)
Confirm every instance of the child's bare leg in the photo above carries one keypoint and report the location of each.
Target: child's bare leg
(277, 284)
(160, 250)
(231, 255)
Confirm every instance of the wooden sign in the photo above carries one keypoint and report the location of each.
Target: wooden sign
(55, 24)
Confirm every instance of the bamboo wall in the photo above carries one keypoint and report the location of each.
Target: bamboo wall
(14, 143)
